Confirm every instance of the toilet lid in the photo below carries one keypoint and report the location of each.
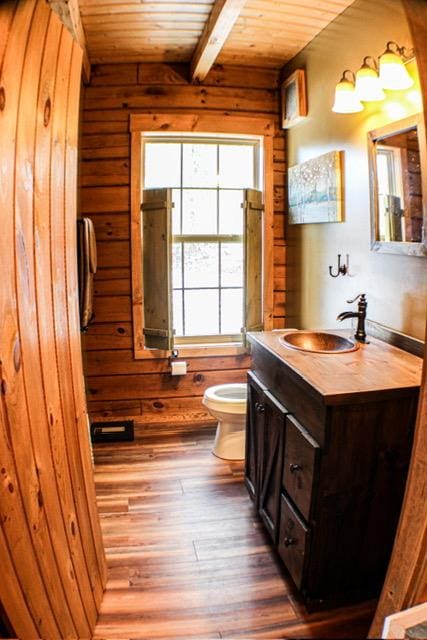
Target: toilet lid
(228, 393)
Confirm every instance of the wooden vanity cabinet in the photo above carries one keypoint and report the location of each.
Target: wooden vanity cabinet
(327, 479)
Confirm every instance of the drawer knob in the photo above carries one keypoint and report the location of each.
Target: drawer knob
(295, 467)
(259, 407)
(288, 542)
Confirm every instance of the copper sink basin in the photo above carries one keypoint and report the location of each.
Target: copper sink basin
(318, 342)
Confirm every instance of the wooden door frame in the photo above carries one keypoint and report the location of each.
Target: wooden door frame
(406, 580)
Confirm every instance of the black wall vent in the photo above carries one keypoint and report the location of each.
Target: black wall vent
(111, 431)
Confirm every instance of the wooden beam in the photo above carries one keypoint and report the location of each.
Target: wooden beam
(220, 22)
(69, 14)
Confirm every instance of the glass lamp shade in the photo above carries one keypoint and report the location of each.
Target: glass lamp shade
(346, 100)
(368, 86)
(393, 73)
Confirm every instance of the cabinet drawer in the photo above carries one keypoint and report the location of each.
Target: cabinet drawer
(300, 465)
(293, 542)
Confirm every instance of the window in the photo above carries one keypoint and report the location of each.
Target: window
(152, 294)
(207, 178)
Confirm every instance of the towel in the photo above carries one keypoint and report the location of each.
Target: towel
(87, 264)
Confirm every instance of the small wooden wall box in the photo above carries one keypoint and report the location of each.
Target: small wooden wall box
(111, 431)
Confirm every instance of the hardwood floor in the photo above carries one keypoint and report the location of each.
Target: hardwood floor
(186, 552)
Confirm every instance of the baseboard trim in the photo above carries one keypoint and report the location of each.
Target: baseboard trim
(191, 419)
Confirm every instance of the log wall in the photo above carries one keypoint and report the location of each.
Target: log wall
(51, 553)
(117, 384)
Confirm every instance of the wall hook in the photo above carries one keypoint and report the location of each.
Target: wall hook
(342, 269)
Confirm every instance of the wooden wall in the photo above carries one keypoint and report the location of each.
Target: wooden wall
(51, 555)
(314, 298)
(116, 383)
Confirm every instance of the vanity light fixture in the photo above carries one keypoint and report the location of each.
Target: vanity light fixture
(392, 71)
(346, 100)
(368, 85)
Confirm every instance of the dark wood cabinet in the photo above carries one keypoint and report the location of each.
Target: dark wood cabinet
(327, 475)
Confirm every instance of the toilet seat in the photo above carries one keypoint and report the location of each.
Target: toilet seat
(227, 397)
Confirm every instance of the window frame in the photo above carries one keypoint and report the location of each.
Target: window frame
(205, 124)
(255, 144)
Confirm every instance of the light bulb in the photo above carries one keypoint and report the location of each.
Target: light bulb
(346, 100)
(368, 86)
(393, 73)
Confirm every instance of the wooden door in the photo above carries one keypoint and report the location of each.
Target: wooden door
(52, 565)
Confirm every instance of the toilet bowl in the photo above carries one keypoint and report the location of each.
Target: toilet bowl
(227, 403)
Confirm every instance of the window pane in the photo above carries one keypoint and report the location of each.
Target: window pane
(231, 264)
(231, 310)
(236, 166)
(177, 265)
(199, 211)
(231, 212)
(201, 265)
(177, 313)
(199, 165)
(201, 312)
(162, 167)
(383, 171)
(176, 211)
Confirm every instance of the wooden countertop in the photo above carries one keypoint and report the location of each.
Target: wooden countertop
(373, 367)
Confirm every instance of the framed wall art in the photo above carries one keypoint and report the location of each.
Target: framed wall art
(315, 190)
(294, 99)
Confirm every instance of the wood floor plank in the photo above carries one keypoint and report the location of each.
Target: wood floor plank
(187, 554)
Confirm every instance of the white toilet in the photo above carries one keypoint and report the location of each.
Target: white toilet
(227, 403)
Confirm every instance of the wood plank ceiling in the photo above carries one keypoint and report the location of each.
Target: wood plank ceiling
(262, 33)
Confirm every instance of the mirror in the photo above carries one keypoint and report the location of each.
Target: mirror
(397, 162)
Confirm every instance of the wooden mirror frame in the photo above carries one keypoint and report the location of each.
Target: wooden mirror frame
(403, 248)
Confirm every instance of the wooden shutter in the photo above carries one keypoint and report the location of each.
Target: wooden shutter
(253, 223)
(157, 267)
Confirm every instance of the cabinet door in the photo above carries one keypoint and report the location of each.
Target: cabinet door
(272, 463)
(254, 436)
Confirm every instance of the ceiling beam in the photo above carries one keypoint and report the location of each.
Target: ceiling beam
(69, 13)
(220, 22)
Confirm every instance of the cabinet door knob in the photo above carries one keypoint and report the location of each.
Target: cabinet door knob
(288, 542)
(260, 407)
(295, 467)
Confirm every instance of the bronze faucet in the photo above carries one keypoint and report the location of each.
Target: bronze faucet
(360, 314)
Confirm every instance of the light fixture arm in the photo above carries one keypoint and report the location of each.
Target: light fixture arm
(391, 43)
(404, 52)
(344, 79)
(374, 64)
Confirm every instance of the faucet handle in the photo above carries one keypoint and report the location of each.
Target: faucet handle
(362, 297)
